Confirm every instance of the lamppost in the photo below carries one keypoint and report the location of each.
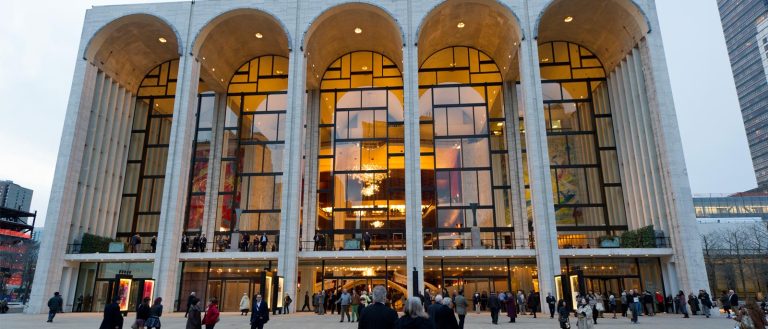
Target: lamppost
(475, 230)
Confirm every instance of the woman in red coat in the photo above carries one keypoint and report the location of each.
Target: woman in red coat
(511, 307)
(211, 314)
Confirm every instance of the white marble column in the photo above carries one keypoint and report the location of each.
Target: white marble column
(311, 150)
(50, 260)
(413, 230)
(174, 201)
(515, 165)
(287, 264)
(547, 256)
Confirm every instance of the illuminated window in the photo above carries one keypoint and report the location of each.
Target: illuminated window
(361, 176)
(148, 152)
(586, 185)
(252, 148)
(464, 177)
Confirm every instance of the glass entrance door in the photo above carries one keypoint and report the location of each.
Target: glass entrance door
(232, 294)
(101, 294)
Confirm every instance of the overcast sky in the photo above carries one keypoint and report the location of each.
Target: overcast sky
(39, 49)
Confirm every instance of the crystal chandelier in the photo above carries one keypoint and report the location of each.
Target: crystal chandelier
(370, 181)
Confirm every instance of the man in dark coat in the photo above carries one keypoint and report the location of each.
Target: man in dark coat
(733, 301)
(55, 305)
(433, 309)
(377, 315)
(191, 300)
(494, 304)
(113, 319)
(260, 315)
(445, 319)
(533, 302)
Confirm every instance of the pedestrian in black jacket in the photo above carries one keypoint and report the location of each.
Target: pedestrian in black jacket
(445, 319)
(494, 304)
(377, 315)
(414, 316)
(142, 313)
(260, 315)
(113, 319)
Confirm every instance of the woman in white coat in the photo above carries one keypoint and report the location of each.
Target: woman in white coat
(584, 315)
(245, 304)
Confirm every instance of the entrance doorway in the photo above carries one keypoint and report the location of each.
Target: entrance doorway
(230, 292)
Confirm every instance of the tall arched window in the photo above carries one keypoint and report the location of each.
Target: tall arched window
(148, 152)
(464, 165)
(361, 176)
(582, 152)
(250, 182)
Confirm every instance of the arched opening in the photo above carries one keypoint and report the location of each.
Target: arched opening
(348, 28)
(233, 38)
(361, 165)
(129, 47)
(584, 165)
(464, 160)
(610, 28)
(485, 25)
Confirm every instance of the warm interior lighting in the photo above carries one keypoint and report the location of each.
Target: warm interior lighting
(500, 124)
(358, 30)
(460, 25)
(258, 35)
(365, 68)
(377, 224)
(568, 19)
(162, 40)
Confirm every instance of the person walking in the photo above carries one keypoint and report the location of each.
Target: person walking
(592, 302)
(659, 302)
(706, 303)
(562, 315)
(494, 304)
(306, 302)
(682, 304)
(55, 305)
(444, 318)
(321, 302)
(693, 303)
(355, 303)
(191, 300)
(113, 319)
(612, 304)
(378, 315)
(460, 306)
(648, 302)
(414, 316)
(551, 303)
(155, 312)
(533, 302)
(245, 303)
(521, 302)
(584, 315)
(194, 321)
(733, 301)
(142, 313)
(634, 304)
(434, 308)
(624, 303)
(287, 304)
(211, 314)
(725, 303)
(259, 314)
(476, 302)
(512, 307)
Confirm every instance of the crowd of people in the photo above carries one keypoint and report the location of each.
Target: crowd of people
(247, 242)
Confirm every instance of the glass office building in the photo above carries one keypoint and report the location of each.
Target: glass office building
(347, 145)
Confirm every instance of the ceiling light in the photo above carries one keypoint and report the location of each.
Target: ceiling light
(460, 25)
(365, 68)
(258, 35)
(162, 40)
(500, 124)
(213, 69)
(358, 30)
(203, 57)
(568, 19)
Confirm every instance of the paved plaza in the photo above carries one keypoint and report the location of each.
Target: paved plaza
(234, 320)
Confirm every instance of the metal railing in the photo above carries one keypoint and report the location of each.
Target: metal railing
(113, 248)
(462, 243)
(612, 242)
(224, 246)
(351, 244)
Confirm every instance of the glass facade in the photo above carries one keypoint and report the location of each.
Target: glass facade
(584, 166)
(147, 153)
(464, 161)
(361, 166)
(731, 206)
(201, 151)
(745, 24)
(250, 181)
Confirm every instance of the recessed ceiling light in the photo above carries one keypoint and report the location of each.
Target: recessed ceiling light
(568, 19)
(258, 35)
(358, 30)
(203, 57)
(213, 69)
(500, 124)
(365, 68)
(162, 40)
(460, 25)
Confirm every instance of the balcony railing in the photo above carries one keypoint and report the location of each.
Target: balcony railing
(224, 246)
(112, 248)
(351, 244)
(566, 242)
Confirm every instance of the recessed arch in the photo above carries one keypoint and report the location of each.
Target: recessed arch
(609, 28)
(451, 24)
(234, 37)
(130, 46)
(348, 28)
